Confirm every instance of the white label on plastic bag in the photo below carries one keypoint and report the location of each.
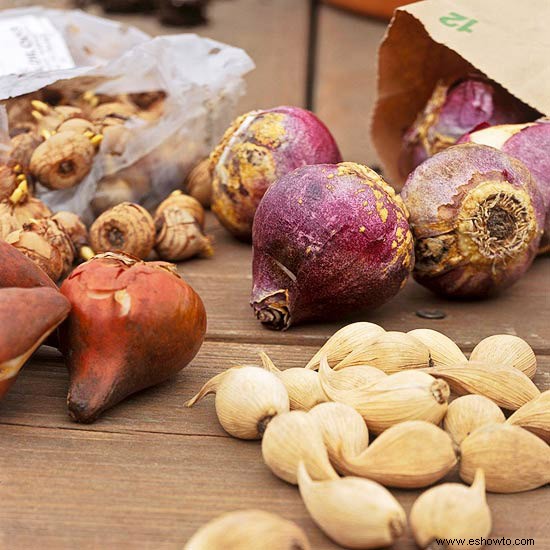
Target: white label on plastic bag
(31, 43)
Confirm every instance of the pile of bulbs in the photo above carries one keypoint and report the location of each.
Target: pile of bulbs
(56, 135)
(315, 423)
(55, 242)
(54, 140)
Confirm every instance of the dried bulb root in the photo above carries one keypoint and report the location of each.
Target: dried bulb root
(512, 458)
(443, 351)
(506, 349)
(18, 110)
(292, 438)
(303, 386)
(344, 431)
(390, 352)
(353, 512)
(19, 128)
(18, 202)
(468, 413)
(199, 183)
(507, 386)
(409, 455)
(247, 399)
(73, 226)
(138, 177)
(452, 511)
(63, 160)
(89, 99)
(494, 217)
(59, 239)
(22, 206)
(244, 529)
(179, 236)
(534, 416)
(344, 341)
(127, 227)
(46, 244)
(402, 396)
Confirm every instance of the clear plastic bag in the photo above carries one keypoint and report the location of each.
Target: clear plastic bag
(202, 80)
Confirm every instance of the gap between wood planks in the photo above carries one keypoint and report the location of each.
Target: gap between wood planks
(39, 397)
(80, 429)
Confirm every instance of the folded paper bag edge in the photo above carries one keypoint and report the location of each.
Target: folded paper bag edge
(489, 20)
(408, 36)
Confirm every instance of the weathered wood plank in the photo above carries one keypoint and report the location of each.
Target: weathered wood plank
(38, 398)
(79, 489)
(224, 281)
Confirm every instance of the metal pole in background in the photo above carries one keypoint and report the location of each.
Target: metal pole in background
(312, 40)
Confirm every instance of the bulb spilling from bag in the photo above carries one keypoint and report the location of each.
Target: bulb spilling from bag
(477, 217)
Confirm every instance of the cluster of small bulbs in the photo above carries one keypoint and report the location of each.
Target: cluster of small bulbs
(55, 242)
(315, 424)
(55, 145)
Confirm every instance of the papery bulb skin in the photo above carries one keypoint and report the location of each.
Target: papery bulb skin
(199, 183)
(133, 325)
(242, 529)
(477, 217)
(258, 148)
(328, 240)
(454, 109)
(74, 227)
(47, 244)
(529, 143)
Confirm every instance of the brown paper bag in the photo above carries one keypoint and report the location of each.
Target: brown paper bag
(507, 40)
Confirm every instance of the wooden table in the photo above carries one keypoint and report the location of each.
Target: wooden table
(150, 471)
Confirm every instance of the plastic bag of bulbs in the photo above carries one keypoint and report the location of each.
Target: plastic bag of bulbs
(90, 123)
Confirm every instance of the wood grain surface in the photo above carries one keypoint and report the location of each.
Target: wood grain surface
(150, 471)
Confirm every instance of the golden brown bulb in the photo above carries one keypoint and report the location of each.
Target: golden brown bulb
(199, 183)
(46, 244)
(63, 160)
(127, 227)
